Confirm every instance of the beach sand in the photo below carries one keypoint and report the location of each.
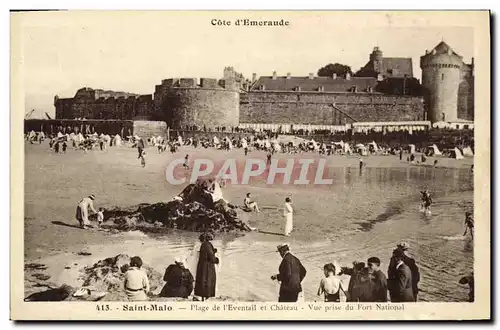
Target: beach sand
(360, 214)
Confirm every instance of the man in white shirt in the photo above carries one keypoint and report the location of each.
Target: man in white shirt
(288, 213)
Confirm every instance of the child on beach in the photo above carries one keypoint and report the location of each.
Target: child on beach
(143, 158)
(186, 161)
(330, 285)
(100, 216)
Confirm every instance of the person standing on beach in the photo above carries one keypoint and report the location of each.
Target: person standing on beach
(330, 285)
(205, 272)
(82, 210)
(136, 281)
(400, 280)
(269, 156)
(186, 162)
(412, 265)
(291, 273)
(379, 280)
(469, 224)
(140, 145)
(143, 158)
(288, 213)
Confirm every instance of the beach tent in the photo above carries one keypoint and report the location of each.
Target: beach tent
(290, 139)
(374, 145)
(347, 148)
(117, 141)
(436, 151)
(60, 135)
(179, 140)
(216, 141)
(361, 149)
(79, 138)
(456, 153)
(276, 145)
(244, 143)
(412, 148)
(467, 152)
(313, 145)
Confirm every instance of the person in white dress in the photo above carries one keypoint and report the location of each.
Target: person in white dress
(288, 213)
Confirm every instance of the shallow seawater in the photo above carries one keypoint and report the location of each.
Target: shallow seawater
(362, 214)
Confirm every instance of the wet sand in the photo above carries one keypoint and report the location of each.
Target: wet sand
(361, 214)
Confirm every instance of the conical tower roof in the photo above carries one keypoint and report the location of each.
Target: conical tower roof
(444, 48)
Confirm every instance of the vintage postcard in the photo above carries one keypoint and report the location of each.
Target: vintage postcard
(239, 165)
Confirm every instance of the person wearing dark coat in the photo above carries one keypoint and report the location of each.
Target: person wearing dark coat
(291, 274)
(410, 262)
(205, 273)
(179, 280)
(140, 146)
(400, 286)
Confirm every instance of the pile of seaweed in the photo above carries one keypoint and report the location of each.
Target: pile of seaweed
(193, 209)
(103, 281)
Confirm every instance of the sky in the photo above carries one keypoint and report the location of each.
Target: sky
(133, 51)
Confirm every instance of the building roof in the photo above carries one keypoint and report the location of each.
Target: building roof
(340, 84)
(395, 67)
(443, 48)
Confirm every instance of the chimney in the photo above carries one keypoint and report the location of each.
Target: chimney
(289, 75)
(334, 76)
(427, 52)
(348, 76)
(311, 75)
(472, 61)
(274, 74)
(254, 77)
(380, 77)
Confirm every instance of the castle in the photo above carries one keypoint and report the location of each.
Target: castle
(384, 90)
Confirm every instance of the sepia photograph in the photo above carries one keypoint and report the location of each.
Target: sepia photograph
(252, 165)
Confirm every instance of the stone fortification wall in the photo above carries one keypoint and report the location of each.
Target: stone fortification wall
(210, 104)
(317, 108)
(90, 104)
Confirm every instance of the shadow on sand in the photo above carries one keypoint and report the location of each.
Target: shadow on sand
(269, 233)
(65, 224)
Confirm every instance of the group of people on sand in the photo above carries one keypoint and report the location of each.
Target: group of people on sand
(366, 284)
(179, 279)
(370, 284)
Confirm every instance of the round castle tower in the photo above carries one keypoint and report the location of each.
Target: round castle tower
(440, 79)
(211, 103)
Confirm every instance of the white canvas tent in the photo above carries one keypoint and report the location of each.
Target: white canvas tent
(436, 151)
(117, 141)
(347, 148)
(290, 139)
(457, 154)
(375, 147)
(467, 152)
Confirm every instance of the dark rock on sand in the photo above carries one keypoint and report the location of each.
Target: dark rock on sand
(194, 210)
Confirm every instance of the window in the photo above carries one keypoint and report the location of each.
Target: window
(442, 76)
